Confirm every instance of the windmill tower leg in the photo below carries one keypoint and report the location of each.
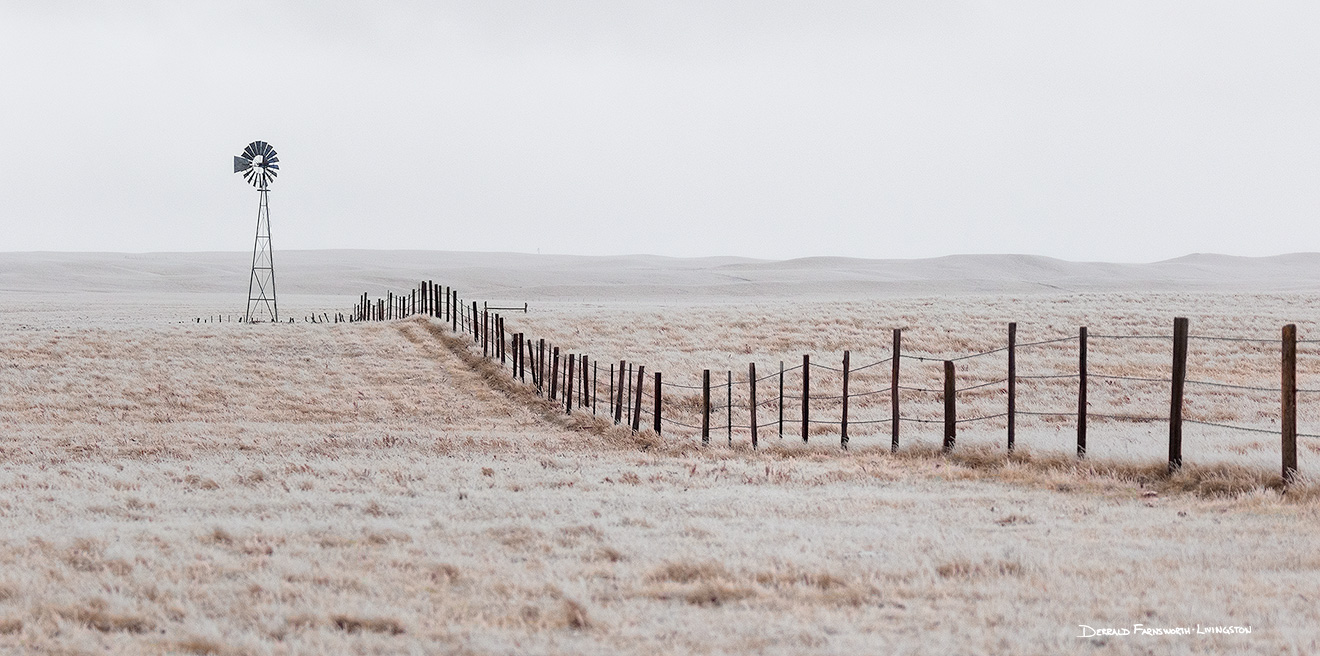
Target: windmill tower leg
(261, 284)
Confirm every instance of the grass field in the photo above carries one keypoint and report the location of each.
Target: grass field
(218, 489)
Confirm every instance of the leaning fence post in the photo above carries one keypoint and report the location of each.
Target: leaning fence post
(893, 388)
(806, 394)
(1081, 393)
(843, 428)
(705, 407)
(657, 403)
(1289, 421)
(1176, 400)
(751, 379)
(950, 406)
(637, 400)
(1012, 385)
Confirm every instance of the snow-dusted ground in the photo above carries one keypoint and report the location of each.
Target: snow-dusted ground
(171, 487)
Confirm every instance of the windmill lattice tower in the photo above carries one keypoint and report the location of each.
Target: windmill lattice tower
(259, 165)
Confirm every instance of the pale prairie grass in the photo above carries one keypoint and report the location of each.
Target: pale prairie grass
(182, 520)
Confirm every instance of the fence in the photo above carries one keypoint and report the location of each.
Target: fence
(573, 380)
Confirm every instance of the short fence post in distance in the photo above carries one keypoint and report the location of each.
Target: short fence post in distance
(950, 406)
(1176, 401)
(568, 386)
(893, 389)
(843, 427)
(806, 395)
(637, 410)
(1289, 420)
(1081, 393)
(1012, 385)
(618, 402)
(658, 403)
(751, 403)
(705, 407)
(554, 374)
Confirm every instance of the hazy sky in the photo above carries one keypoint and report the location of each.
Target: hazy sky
(1128, 131)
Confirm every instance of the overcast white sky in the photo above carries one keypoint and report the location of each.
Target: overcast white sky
(1123, 131)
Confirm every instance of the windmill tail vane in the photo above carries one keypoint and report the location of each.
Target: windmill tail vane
(259, 165)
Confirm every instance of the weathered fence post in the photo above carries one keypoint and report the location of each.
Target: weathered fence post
(1176, 401)
(586, 380)
(568, 386)
(657, 403)
(1081, 393)
(628, 404)
(637, 410)
(611, 397)
(843, 427)
(893, 388)
(806, 395)
(540, 368)
(476, 326)
(485, 333)
(705, 407)
(595, 372)
(1012, 385)
(554, 374)
(618, 402)
(751, 403)
(1289, 421)
(950, 406)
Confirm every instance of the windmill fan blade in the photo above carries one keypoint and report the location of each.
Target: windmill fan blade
(250, 151)
(273, 158)
(242, 164)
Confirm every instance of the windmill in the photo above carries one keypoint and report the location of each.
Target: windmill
(259, 165)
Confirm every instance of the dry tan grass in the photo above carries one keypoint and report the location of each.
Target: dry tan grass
(379, 489)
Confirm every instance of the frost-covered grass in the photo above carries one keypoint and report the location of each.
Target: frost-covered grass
(221, 489)
(682, 340)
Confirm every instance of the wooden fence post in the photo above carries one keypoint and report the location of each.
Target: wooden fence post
(618, 403)
(751, 380)
(806, 395)
(1289, 421)
(485, 333)
(705, 407)
(950, 406)
(586, 380)
(637, 409)
(476, 326)
(843, 428)
(568, 386)
(1012, 385)
(1081, 393)
(658, 402)
(893, 389)
(554, 374)
(540, 368)
(1176, 401)
(611, 397)
(595, 373)
(628, 404)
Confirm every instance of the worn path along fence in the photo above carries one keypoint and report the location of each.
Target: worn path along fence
(574, 380)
